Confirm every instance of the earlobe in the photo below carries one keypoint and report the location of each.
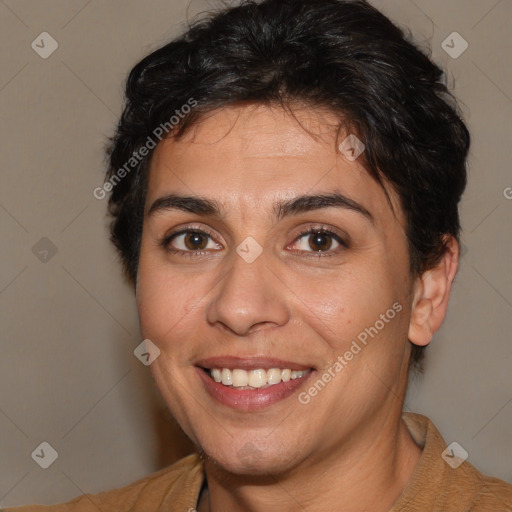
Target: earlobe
(431, 295)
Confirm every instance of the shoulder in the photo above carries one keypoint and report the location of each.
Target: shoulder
(443, 480)
(179, 482)
(488, 494)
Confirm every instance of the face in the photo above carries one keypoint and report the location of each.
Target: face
(259, 280)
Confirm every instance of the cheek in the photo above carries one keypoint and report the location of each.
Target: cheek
(164, 299)
(344, 302)
(165, 304)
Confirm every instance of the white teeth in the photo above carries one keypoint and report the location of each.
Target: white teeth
(257, 378)
(227, 379)
(285, 375)
(274, 376)
(239, 378)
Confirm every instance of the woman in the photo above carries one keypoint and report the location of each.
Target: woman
(284, 183)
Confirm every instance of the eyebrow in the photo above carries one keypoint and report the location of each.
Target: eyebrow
(281, 209)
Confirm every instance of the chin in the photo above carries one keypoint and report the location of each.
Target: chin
(251, 460)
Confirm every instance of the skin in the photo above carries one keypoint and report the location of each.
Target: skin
(348, 448)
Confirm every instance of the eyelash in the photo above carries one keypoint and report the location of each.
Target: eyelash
(166, 240)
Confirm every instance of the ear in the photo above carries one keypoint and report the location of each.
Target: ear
(431, 293)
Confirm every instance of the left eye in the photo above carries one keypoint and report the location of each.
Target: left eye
(318, 241)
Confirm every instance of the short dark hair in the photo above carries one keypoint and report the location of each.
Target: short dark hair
(343, 55)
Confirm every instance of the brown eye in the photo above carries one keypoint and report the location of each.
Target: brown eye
(189, 241)
(195, 241)
(320, 241)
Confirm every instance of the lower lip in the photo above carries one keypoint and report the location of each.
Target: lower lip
(251, 399)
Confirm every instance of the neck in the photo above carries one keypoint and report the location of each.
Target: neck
(368, 475)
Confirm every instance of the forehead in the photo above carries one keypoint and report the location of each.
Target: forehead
(246, 156)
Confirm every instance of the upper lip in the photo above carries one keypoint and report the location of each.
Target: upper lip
(250, 363)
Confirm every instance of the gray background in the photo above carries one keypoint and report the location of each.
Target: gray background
(68, 375)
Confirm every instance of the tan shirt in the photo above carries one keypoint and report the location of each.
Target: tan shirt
(434, 486)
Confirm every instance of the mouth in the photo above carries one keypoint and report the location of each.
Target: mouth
(259, 378)
(250, 384)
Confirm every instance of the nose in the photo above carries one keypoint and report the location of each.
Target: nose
(249, 298)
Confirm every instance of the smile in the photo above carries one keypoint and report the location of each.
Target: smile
(254, 379)
(249, 384)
